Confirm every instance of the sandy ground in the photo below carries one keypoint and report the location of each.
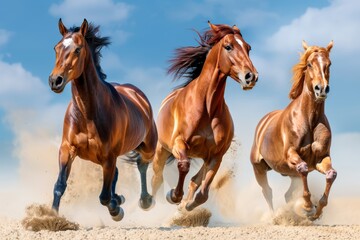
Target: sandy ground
(14, 230)
(237, 207)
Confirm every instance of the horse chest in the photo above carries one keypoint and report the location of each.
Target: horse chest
(89, 144)
(209, 140)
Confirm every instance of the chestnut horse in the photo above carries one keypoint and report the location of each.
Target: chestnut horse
(103, 120)
(194, 120)
(296, 140)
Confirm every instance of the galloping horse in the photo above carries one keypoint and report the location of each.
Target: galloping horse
(194, 120)
(102, 120)
(296, 140)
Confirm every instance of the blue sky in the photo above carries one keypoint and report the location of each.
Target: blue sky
(144, 36)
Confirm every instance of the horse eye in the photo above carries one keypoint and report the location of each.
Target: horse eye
(309, 65)
(77, 51)
(228, 48)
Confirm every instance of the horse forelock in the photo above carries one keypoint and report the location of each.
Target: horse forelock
(189, 61)
(95, 42)
(299, 71)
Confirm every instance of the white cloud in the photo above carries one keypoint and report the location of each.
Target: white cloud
(99, 11)
(279, 52)
(4, 36)
(339, 22)
(19, 88)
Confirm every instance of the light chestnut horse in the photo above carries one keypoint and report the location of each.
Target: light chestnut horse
(296, 140)
(194, 120)
(103, 120)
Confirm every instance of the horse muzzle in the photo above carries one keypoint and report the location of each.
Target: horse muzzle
(57, 83)
(248, 81)
(321, 92)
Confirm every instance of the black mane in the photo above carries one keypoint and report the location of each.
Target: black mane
(96, 43)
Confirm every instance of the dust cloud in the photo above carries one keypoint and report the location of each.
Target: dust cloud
(234, 199)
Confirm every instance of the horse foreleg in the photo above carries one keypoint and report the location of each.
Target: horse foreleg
(179, 152)
(195, 183)
(325, 167)
(295, 162)
(146, 202)
(106, 197)
(119, 198)
(65, 162)
(302, 169)
(203, 195)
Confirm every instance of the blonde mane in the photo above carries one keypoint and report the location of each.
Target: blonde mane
(299, 71)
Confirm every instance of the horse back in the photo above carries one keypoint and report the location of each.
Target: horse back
(134, 97)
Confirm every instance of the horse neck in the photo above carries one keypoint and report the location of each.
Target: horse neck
(310, 109)
(86, 90)
(212, 82)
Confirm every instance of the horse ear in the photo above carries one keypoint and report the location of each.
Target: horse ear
(236, 28)
(304, 44)
(330, 45)
(213, 27)
(84, 27)
(63, 30)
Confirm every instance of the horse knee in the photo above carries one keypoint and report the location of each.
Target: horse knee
(302, 168)
(331, 175)
(184, 165)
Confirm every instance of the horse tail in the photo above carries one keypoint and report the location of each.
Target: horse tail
(133, 156)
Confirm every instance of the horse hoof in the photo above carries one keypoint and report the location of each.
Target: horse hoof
(147, 203)
(188, 207)
(119, 216)
(120, 199)
(309, 213)
(169, 197)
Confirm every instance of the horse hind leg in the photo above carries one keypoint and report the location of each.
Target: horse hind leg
(289, 195)
(146, 201)
(260, 171)
(161, 155)
(146, 152)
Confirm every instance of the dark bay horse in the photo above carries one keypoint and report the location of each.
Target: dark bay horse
(296, 140)
(103, 120)
(194, 120)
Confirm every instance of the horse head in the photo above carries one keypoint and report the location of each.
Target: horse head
(318, 70)
(70, 57)
(234, 59)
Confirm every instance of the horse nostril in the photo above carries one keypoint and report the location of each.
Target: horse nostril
(58, 81)
(249, 77)
(317, 88)
(327, 89)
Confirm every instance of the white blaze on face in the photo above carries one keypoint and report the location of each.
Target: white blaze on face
(67, 42)
(240, 42)
(321, 63)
